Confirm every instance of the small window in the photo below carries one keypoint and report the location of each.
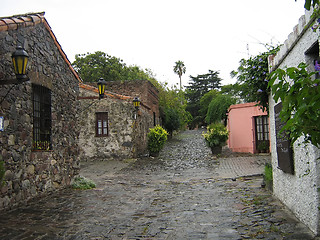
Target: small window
(102, 129)
(42, 121)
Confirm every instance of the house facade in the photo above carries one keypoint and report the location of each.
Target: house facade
(248, 128)
(296, 167)
(39, 135)
(112, 127)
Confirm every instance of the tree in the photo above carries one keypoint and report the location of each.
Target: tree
(198, 87)
(253, 76)
(179, 69)
(92, 66)
(171, 120)
(205, 101)
(172, 100)
(218, 108)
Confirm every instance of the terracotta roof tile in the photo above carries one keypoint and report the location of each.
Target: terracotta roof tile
(13, 22)
(110, 94)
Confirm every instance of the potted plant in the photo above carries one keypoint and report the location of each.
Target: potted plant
(216, 137)
(263, 147)
(157, 137)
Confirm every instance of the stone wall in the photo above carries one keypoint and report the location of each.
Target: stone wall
(127, 128)
(299, 191)
(30, 173)
(143, 89)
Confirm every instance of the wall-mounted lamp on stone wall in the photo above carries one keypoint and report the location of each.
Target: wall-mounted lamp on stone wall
(20, 62)
(101, 87)
(136, 103)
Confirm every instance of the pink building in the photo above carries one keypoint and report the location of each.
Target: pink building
(249, 128)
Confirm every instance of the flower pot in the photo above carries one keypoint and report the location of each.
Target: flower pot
(216, 150)
(154, 154)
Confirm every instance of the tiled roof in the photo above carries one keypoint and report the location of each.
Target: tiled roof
(32, 19)
(243, 105)
(113, 95)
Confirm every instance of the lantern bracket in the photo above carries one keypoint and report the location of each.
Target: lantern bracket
(20, 61)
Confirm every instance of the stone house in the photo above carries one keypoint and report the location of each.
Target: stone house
(38, 134)
(249, 128)
(296, 176)
(122, 131)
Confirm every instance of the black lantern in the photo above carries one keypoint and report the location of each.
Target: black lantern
(101, 87)
(136, 102)
(20, 61)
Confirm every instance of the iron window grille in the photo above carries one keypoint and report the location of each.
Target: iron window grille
(42, 120)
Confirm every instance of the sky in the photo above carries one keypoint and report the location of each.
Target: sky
(204, 34)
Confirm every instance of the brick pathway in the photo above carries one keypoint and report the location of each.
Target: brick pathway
(235, 167)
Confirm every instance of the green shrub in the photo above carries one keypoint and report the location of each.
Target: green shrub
(83, 183)
(157, 137)
(268, 173)
(216, 135)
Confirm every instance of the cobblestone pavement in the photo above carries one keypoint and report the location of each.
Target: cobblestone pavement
(185, 193)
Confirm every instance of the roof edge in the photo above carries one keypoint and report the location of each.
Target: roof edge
(243, 105)
(32, 19)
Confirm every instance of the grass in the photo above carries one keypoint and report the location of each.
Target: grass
(268, 173)
(83, 183)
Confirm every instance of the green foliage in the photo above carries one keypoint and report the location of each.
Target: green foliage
(252, 76)
(157, 137)
(173, 98)
(309, 3)
(172, 120)
(216, 135)
(92, 66)
(205, 101)
(268, 173)
(218, 108)
(300, 99)
(233, 90)
(197, 88)
(83, 183)
(263, 146)
(179, 68)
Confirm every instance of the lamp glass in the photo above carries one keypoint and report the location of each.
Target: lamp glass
(20, 61)
(136, 102)
(101, 87)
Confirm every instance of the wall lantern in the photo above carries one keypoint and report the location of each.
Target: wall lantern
(101, 87)
(20, 62)
(136, 102)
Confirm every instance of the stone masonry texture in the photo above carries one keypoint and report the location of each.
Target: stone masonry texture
(31, 173)
(127, 127)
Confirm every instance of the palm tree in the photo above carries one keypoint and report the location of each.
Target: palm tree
(179, 69)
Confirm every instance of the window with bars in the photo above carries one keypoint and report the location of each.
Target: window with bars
(42, 121)
(102, 129)
(262, 134)
(262, 127)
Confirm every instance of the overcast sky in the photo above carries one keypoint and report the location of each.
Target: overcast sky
(204, 34)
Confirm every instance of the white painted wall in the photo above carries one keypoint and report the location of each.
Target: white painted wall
(299, 191)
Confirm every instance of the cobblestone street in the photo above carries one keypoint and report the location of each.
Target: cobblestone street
(185, 193)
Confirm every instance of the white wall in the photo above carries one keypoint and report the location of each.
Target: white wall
(299, 191)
